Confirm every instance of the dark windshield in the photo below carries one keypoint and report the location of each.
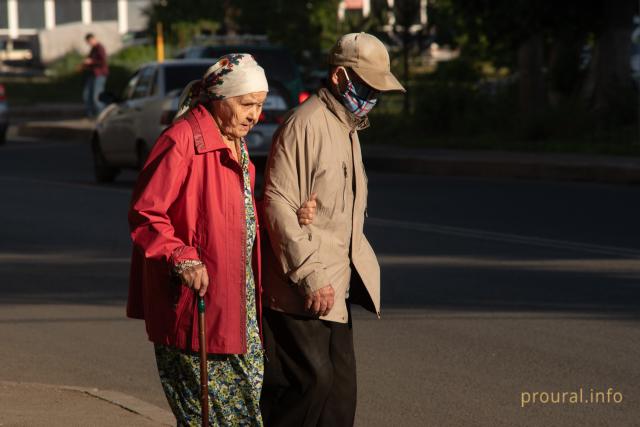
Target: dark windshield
(178, 76)
(277, 63)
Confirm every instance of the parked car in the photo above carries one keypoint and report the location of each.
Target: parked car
(127, 129)
(15, 50)
(277, 62)
(4, 115)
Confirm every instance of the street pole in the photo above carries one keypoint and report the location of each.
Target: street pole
(159, 43)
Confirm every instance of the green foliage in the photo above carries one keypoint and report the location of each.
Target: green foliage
(133, 57)
(66, 65)
(182, 33)
(173, 11)
(301, 26)
(458, 70)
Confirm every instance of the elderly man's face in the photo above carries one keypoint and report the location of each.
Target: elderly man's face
(236, 116)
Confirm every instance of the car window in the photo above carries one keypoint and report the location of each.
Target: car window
(155, 84)
(131, 84)
(277, 63)
(179, 76)
(144, 83)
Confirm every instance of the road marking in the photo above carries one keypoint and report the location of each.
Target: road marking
(84, 186)
(618, 266)
(505, 237)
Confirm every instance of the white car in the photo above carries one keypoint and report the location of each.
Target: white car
(127, 129)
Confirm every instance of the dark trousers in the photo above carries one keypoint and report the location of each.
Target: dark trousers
(310, 373)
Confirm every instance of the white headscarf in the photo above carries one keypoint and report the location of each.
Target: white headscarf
(234, 74)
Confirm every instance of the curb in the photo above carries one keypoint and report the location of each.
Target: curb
(483, 164)
(61, 111)
(124, 401)
(52, 130)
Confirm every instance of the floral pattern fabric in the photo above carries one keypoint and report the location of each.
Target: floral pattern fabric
(235, 381)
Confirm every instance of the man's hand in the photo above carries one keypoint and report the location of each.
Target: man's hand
(307, 211)
(196, 278)
(320, 302)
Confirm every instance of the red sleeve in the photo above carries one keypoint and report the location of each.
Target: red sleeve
(157, 188)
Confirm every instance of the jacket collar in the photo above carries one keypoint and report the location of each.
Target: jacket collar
(209, 138)
(347, 118)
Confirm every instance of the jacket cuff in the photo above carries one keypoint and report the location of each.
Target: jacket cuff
(183, 253)
(314, 281)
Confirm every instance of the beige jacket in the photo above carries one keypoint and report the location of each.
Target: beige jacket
(317, 150)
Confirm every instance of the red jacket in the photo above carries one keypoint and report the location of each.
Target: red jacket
(188, 204)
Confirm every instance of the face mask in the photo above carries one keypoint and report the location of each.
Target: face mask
(358, 98)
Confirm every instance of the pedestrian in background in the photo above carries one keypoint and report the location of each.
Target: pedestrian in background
(313, 273)
(96, 71)
(193, 218)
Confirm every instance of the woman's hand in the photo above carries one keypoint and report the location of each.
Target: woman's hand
(195, 277)
(307, 211)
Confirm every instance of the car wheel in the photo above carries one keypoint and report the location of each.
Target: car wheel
(142, 153)
(102, 170)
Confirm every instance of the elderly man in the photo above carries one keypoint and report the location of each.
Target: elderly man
(315, 271)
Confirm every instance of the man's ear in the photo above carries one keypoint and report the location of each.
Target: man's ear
(334, 76)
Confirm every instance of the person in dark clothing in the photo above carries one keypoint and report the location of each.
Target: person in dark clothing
(96, 69)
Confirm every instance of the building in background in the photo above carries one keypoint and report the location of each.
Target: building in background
(29, 20)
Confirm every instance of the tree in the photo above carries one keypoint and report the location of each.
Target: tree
(609, 81)
(531, 36)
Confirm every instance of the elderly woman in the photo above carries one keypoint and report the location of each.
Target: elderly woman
(195, 232)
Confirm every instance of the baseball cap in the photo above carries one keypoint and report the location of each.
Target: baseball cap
(368, 58)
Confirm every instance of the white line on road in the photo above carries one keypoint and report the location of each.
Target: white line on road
(505, 237)
(584, 266)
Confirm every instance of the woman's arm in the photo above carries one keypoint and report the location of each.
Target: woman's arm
(157, 188)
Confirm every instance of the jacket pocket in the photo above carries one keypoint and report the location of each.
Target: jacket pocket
(184, 300)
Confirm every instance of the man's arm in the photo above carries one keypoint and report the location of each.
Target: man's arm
(288, 182)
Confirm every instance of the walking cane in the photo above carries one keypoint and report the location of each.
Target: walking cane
(204, 374)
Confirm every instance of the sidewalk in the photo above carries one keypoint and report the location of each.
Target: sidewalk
(31, 404)
(390, 159)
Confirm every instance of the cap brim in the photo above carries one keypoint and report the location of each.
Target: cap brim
(381, 81)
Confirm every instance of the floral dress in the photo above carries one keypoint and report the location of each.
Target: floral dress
(235, 381)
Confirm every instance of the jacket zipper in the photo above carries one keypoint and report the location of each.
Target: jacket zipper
(344, 187)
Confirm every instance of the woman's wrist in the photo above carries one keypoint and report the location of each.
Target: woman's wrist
(185, 265)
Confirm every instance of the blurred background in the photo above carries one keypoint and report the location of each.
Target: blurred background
(517, 75)
(503, 199)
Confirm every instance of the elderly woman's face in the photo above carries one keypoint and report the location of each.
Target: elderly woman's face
(237, 115)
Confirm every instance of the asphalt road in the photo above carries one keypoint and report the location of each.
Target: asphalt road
(491, 290)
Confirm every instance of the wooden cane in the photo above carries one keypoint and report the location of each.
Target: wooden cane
(204, 374)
